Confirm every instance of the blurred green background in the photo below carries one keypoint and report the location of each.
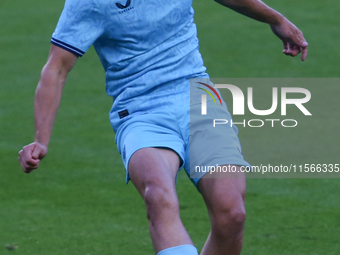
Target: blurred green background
(78, 202)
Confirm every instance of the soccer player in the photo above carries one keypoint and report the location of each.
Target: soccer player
(149, 51)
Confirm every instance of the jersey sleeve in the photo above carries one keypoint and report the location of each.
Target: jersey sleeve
(79, 26)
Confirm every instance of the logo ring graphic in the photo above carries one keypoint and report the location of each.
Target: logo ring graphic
(213, 90)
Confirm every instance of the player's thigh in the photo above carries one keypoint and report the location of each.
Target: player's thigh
(224, 192)
(154, 168)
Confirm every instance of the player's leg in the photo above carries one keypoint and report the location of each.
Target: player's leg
(212, 146)
(153, 171)
(224, 196)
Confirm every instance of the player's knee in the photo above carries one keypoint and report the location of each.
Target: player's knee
(238, 216)
(229, 221)
(234, 216)
(159, 201)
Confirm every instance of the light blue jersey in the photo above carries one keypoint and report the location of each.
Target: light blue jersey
(147, 47)
(149, 50)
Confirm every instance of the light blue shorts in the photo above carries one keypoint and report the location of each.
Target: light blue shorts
(179, 126)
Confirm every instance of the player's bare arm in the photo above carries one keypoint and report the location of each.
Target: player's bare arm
(47, 100)
(291, 36)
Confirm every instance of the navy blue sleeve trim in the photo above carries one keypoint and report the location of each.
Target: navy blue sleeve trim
(67, 47)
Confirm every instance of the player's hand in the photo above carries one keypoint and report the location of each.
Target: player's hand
(31, 155)
(292, 38)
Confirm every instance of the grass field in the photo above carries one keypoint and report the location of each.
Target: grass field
(78, 202)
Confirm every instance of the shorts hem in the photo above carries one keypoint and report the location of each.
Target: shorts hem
(174, 148)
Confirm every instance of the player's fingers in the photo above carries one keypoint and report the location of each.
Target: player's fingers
(295, 50)
(36, 153)
(27, 163)
(286, 49)
(39, 151)
(21, 163)
(26, 152)
(28, 170)
(25, 167)
(33, 162)
(304, 52)
(302, 44)
(22, 159)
